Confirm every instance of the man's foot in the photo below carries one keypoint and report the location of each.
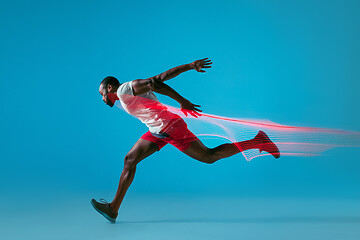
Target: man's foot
(267, 145)
(104, 209)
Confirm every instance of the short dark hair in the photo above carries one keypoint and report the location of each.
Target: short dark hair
(110, 80)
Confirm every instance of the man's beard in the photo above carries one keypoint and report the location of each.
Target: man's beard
(107, 100)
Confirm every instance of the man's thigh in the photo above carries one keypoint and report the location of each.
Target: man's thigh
(142, 149)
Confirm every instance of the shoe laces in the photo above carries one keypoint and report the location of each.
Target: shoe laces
(104, 201)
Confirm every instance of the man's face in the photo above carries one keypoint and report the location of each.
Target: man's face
(108, 98)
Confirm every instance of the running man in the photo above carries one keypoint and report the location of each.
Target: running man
(138, 99)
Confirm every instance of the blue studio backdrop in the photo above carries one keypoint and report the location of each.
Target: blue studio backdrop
(292, 62)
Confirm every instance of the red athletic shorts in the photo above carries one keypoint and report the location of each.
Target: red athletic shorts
(177, 134)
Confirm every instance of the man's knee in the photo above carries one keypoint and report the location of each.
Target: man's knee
(130, 161)
(209, 156)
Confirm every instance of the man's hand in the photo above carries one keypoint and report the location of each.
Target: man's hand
(202, 63)
(188, 107)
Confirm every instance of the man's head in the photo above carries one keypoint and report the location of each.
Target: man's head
(108, 88)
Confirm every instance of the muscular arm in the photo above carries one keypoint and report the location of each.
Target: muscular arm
(141, 86)
(197, 65)
(169, 74)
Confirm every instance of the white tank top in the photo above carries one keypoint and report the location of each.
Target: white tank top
(146, 107)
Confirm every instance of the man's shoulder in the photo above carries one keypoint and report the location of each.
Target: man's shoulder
(125, 88)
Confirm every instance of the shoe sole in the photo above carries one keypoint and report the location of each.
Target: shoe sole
(112, 220)
(268, 139)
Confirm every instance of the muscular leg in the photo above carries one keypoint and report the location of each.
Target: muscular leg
(200, 152)
(142, 149)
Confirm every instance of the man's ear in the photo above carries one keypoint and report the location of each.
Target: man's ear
(109, 87)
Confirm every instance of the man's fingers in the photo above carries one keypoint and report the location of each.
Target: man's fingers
(193, 114)
(196, 105)
(202, 63)
(197, 109)
(197, 113)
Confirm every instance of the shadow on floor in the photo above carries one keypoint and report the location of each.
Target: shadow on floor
(295, 219)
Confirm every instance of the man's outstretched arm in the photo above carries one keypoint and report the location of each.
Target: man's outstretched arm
(197, 65)
(141, 86)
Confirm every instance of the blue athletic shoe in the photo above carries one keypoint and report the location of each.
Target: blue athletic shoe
(104, 209)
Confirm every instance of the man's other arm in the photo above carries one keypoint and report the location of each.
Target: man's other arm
(141, 86)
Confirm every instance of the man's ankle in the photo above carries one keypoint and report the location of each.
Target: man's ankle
(112, 208)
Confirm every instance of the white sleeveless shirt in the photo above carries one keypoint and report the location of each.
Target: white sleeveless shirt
(146, 107)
